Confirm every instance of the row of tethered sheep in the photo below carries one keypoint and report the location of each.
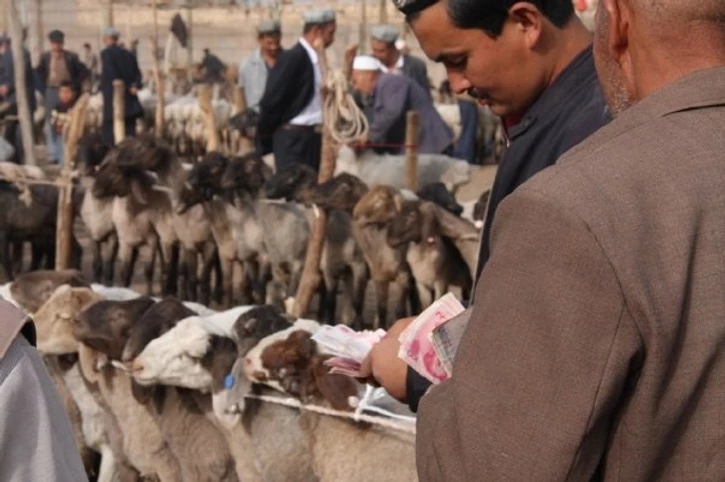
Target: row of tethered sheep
(169, 391)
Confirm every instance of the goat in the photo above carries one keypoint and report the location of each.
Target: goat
(341, 258)
(31, 290)
(434, 261)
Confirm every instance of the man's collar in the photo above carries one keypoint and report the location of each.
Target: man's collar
(310, 50)
(12, 320)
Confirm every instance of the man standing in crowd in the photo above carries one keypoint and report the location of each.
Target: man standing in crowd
(291, 107)
(56, 67)
(36, 439)
(119, 64)
(382, 44)
(254, 70)
(549, 100)
(9, 96)
(91, 60)
(392, 96)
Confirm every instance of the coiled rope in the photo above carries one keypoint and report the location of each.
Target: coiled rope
(346, 121)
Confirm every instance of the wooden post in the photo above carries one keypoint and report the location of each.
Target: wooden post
(107, 13)
(36, 48)
(311, 278)
(21, 95)
(240, 105)
(189, 43)
(119, 111)
(206, 108)
(411, 151)
(158, 77)
(64, 225)
(383, 12)
(363, 36)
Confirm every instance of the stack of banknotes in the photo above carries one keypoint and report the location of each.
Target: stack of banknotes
(347, 347)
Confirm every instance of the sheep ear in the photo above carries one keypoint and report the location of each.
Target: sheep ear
(137, 192)
(429, 228)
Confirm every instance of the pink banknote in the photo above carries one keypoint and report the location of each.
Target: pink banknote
(347, 346)
(416, 345)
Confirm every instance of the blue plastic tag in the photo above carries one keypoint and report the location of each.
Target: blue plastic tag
(229, 381)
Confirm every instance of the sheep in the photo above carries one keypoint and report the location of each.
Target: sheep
(480, 207)
(341, 256)
(31, 290)
(237, 232)
(464, 235)
(434, 261)
(103, 329)
(204, 457)
(95, 212)
(376, 169)
(438, 194)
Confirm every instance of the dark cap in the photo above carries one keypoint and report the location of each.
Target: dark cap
(409, 7)
(56, 36)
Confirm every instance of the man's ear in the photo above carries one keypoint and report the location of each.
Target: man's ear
(529, 20)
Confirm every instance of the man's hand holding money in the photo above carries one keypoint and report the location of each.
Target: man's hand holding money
(383, 367)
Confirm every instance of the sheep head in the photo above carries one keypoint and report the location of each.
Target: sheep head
(105, 326)
(406, 227)
(32, 290)
(246, 123)
(378, 207)
(246, 174)
(293, 183)
(342, 192)
(438, 194)
(91, 153)
(54, 321)
(156, 321)
(256, 324)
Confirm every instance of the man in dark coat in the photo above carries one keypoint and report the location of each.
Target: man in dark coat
(291, 107)
(9, 95)
(56, 67)
(382, 43)
(392, 97)
(119, 64)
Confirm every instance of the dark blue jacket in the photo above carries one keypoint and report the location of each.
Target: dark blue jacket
(7, 77)
(120, 64)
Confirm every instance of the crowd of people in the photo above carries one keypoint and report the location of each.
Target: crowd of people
(59, 78)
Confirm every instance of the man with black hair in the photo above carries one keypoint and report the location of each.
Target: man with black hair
(531, 63)
(291, 107)
(254, 70)
(392, 60)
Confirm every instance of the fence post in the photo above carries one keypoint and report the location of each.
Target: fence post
(119, 111)
(208, 112)
(411, 151)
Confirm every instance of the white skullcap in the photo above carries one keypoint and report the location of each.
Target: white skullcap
(269, 26)
(385, 33)
(318, 17)
(365, 62)
(111, 32)
(400, 44)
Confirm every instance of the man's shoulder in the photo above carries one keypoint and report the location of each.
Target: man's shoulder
(414, 61)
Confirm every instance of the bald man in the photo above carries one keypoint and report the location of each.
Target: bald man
(596, 346)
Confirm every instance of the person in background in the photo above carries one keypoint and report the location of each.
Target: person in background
(254, 70)
(59, 117)
(8, 92)
(549, 100)
(382, 45)
(291, 108)
(91, 60)
(56, 67)
(392, 96)
(36, 438)
(212, 68)
(134, 48)
(119, 64)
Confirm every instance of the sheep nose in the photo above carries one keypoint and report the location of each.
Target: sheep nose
(135, 367)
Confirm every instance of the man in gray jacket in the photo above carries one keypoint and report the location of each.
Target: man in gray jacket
(36, 439)
(253, 71)
(383, 38)
(392, 97)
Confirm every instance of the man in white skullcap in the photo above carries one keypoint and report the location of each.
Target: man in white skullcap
(119, 64)
(254, 70)
(392, 96)
(393, 60)
(291, 107)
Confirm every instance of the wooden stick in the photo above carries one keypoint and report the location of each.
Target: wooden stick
(411, 151)
(206, 109)
(119, 111)
(158, 77)
(383, 12)
(240, 105)
(311, 278)
(64, 226)
(363, 35)
(21, 94)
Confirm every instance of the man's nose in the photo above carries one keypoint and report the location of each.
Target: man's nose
(459, 83)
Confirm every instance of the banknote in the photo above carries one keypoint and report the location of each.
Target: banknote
(416, 345)
(447, 337)
(347, 347)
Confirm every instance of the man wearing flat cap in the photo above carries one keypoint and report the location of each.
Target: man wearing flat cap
(392, 96)
(254, 70)
(56, 67)
(382, 46)
(291, 107)
(119, 64)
